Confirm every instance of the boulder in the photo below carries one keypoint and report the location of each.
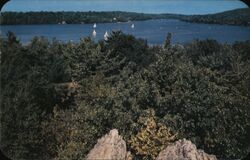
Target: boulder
(110, 146)
(184, 150)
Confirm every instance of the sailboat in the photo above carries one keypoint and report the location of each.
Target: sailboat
(133, 26)
(94, 26)
(106, 35)
(94, 34)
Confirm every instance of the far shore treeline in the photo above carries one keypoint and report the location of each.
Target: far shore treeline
(234, 17)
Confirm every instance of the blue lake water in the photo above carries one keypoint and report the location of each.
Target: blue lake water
(154, 31)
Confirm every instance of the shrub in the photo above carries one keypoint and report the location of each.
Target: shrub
(152, 138)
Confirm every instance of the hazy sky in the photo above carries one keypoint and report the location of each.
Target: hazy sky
(144, 6)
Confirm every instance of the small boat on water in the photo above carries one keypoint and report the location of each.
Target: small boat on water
(106, 35)
(94, 34)
(133, 26)
(94, 26)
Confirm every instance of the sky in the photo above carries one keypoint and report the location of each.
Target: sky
(143, 6)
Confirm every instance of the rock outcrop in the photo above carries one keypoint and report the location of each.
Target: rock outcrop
(184, 150)
(111, 146)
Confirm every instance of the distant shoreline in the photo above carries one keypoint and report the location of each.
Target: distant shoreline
(240, 17)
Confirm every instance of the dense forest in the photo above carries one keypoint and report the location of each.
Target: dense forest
(234, 17)
(77, 17)
(58, 98)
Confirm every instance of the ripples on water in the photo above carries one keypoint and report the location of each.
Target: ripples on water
(154, 31)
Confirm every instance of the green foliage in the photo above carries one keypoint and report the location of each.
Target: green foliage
(27, 94)
(202, 96)
(58, 98)
(128, 49)
(167, 43)
(70, 133)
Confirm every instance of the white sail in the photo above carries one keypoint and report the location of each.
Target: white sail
(106, 35)
(94, 34)
(94, 26)
(132, 26)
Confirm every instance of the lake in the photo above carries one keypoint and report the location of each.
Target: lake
(154, 31)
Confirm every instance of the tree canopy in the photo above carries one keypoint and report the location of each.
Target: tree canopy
(58, 98)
